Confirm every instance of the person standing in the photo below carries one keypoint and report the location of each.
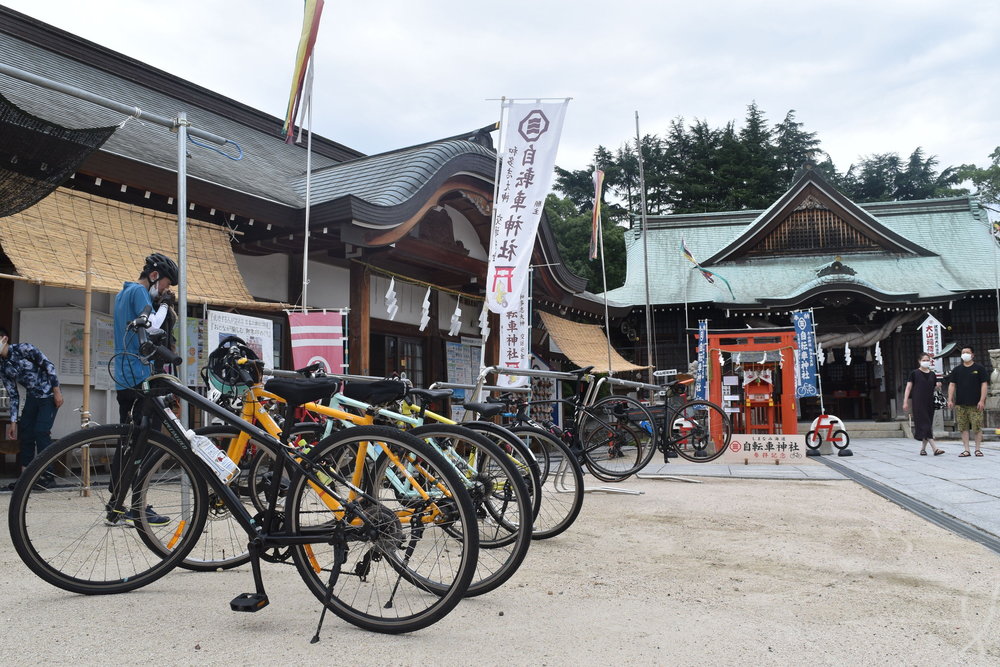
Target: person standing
(25, 364)
(967, 386)
(158, 273)
(918, 399)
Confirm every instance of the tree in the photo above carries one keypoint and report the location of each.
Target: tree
(793, 148)
(572, 233)
(986, 181)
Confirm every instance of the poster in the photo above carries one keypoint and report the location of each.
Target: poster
(69, 365)
(258, 333)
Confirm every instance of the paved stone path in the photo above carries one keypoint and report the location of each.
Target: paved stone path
(965, 488)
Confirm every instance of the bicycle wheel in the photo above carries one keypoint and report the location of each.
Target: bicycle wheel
(516, 450)
(699, 431)
(813, 440)
(411, 562)
(840, 439)
(561, 481)
(615, 443)
(262, 465)
(500, 498)
(63, 532)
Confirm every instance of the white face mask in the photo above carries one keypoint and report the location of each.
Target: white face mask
(153, 291)
(925, 364)
(966, 357)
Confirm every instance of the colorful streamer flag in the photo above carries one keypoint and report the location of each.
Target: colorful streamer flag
(595, 220)
(708, 275)
(307, 40)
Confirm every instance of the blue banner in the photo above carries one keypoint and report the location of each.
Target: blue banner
(701, 376)
(805, 355)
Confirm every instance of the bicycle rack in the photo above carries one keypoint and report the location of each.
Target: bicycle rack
(589, 397)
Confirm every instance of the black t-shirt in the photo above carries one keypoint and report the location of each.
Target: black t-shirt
(968, 381)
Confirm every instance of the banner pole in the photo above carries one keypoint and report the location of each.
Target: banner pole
(645, 252)
(819, 375)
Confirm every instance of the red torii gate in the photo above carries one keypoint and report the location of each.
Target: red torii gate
(773, 340)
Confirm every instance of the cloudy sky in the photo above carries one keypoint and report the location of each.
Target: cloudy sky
(869, 77)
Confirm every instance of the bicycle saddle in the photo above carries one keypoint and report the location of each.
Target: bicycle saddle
(429, 395)
(297, 391)
(582, 371)
(485, 409)
(376, 393)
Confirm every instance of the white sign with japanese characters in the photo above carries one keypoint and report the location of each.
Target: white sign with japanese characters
(765, 448)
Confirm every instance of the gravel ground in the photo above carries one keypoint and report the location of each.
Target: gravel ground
(725, 572)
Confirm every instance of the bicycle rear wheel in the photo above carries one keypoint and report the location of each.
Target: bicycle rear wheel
(618, 438)
(561, 481)
(500, 498)
(63, 532)
(699, 431)
(518, 452)
(409, 561)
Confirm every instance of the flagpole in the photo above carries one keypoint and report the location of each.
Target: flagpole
(604, 277)
(309, 141)
(819, 374)
(645, 251)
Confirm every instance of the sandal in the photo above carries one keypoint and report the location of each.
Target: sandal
(964, 454)
(979, 453)
(923, 453)
(938, 452)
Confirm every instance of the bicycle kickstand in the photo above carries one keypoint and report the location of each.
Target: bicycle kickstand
(339, 558)
(256, 601)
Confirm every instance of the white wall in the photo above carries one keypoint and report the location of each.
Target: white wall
(329, 286)
(465, 233)
(266, 276)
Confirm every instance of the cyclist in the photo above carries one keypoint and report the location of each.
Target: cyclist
(158, 273)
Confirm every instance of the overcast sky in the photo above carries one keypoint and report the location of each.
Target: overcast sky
(868, 77)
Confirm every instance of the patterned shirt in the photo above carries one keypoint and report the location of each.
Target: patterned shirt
(26, 364)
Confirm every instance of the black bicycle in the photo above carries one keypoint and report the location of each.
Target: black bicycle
(372, 550)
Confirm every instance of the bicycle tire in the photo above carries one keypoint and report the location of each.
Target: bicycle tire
(840, 439)
(700, 431)
(518, 451)
(388, 558)
(500, 498)
(615, 446)
(62, 533)
(261, 463)
(561, 481)
(813, 440)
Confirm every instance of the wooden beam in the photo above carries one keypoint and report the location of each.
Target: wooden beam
(359, 321)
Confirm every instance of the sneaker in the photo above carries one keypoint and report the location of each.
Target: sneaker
(120, 522)
(152, 518)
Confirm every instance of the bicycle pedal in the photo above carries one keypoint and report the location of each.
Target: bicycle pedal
(249, 602)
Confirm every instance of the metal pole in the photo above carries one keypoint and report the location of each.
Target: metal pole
(133, 111)
(645, 251)
(182, 130)
(309, 143)
(87, 323)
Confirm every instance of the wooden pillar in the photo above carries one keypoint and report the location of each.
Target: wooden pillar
(493, 342)
(359, 321)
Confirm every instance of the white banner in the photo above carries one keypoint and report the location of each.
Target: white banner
(527, 155)
(515, 351)
(256, 332)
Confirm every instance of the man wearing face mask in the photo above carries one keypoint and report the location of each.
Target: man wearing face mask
(968, 383)
(25, 364)
(158, 274)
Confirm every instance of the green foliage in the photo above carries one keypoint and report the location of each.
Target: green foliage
(571, 228)
(986, 181)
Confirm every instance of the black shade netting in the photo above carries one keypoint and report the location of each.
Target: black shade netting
(37, 156)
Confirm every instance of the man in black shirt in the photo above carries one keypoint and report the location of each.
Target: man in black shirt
(967, 385)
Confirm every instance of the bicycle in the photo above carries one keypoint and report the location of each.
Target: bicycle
(827, 428)
(606, 436)
(696, 430)
(386, 563)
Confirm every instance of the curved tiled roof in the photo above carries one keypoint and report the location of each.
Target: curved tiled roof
(391, 179)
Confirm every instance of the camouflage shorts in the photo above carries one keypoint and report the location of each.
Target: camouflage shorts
(968, 418)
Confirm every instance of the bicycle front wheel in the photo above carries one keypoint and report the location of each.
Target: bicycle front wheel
(561, 481)
(393, 563)
(65, 532)
(618, 438)
(699, 431)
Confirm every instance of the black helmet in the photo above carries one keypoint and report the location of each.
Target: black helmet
(222, 372)
(166, 267)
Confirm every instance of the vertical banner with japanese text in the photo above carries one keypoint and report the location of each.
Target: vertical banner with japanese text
(318, 337)
(701, 376)
(805, 354)
(515, 332)
(526, 158)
